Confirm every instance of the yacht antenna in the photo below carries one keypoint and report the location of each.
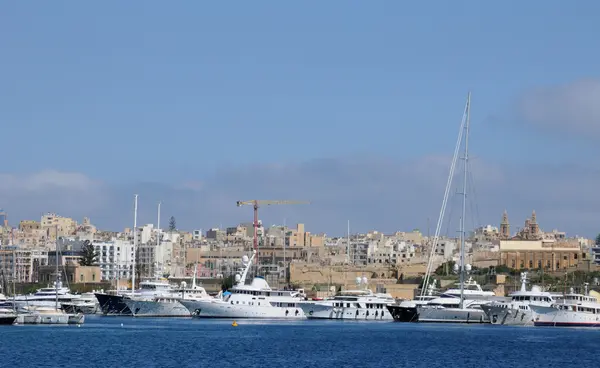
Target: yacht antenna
(464, 203)
(135, 205)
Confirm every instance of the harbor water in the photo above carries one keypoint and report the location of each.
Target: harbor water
(162, 342)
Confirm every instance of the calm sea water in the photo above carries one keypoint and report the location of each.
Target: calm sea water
(103, 342)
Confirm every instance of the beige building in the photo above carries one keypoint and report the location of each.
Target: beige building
(535, 254)
(54, 225)
(70, 273)
(532, 248)
(22, 263)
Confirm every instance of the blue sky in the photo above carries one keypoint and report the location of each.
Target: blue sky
(199, 105)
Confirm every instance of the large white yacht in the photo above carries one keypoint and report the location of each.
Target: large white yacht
(256, 300)
(112, 303)
(574, 310)
(361, 304)
(87, 303)
(448, 307)
(406, 311)
(517, 311)
(167, 304)
(47, 297)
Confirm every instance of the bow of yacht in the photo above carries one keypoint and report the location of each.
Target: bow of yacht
(518, 310)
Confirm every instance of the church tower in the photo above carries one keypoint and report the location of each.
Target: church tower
(504, 227)
(534, 228)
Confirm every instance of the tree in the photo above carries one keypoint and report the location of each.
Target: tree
(172, 224)
(140, 268)
(228, 283)
(89, 256)
(597, 239)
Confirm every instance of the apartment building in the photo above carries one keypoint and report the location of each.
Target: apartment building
(22, 263)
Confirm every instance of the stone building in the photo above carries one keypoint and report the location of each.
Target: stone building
(531, 248)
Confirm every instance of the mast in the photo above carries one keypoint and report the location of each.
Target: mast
(438, 227)
(118, 254)
(57, 274)
(158, 239)
(135, 205)
(284, 246)
(464, 203)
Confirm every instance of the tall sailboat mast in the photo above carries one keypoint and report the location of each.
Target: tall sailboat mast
(57, 273)
(135, 205)
(464, 203)
(158, 240)
(438, 228)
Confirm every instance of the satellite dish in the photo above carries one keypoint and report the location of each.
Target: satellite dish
(245, 259)
(365, 280)
(455, 268)
(358, 280)
(237, 277)
(468, 267)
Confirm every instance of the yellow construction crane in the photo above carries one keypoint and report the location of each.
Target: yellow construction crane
(263, 202)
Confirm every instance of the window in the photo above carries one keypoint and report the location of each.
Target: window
(81, 278)
(93, 277)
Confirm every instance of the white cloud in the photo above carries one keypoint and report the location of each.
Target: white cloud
(371, 192)
(68, 193)
(572, 107)
(44, 180)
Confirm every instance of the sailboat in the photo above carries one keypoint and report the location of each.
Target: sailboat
(461, 305)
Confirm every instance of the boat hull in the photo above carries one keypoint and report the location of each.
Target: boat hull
(142, 308)
(112, 305)
(451, 315)
(552, 317)
(8, 319)
(323, 311)
(403, 314)
(88, 308)
(509, 316)
(221, 309)
(28, 319)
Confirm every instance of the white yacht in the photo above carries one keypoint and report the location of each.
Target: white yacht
(574, 310)
(86, 304)
(167, 304)
(450, 307)
(7, 315)
(517, 311)
(360, 304)
(256, 300)
(47, 297)
(406, 311)
(113, 303)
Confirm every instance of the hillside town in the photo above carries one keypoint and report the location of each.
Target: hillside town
(287, 256)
